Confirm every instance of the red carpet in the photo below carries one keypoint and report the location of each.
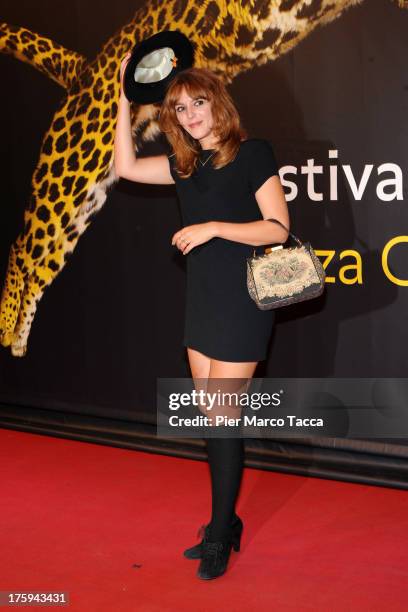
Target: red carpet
(109, 526)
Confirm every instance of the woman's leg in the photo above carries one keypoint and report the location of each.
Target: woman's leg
(226, 454)
(200, 370)
(199, 364)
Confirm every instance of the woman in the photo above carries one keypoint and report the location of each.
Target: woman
(228, 187)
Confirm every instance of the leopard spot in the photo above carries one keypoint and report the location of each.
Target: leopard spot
(245, 36)
(57, 167)
(43, 45)
(79, 184)
(76, 128)
(64, 219)
(33, 201)
(87, 146)
(72, 104)
(94, 114)
(53, 193)
(29, 244)
(190, 17)
(72, 236)
(311, 11)
(110, 71)
(67, 183)
(179, 9)
(97, 90)
(327, 9)
(86, 78)
(287, 5)
(47, 146)
(39, 233)
(62, 143)
(93, 162)
(84, 102)
(28, 54)
(106, 158)
(58, 124)
(51, 229)
(85, 98)
(25, 35)
(48, 65)
(70, 114)
(75, 139)
(72, 162)
(43, 213)
(53, 265)
(107, 138)
(92, 127)
(37, 251)
(58, 207)
(210, 51)
(160, 19)
(288, 36)
(101, 176)
(207, 22)
(269, 38)
(41, 172)
(43, 190)
(79, 199)
(261, 9)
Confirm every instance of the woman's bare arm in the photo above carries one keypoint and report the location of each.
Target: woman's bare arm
(154, 169)
(272, 204)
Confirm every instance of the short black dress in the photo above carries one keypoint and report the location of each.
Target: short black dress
(222, 321)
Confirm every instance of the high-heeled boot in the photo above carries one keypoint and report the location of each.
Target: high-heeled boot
(195, 551)
(215, 555)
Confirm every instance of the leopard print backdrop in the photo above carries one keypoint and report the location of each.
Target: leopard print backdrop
(75, 169)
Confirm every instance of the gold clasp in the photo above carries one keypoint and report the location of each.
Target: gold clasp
(275, 248)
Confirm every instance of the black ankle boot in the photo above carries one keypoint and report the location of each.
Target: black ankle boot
(215, 555)
(195, 551)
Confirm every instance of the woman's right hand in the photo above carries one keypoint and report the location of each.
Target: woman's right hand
(123, 65)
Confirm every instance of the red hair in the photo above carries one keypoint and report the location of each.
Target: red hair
(201, 83)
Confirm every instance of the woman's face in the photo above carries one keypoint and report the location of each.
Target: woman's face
(194, 115)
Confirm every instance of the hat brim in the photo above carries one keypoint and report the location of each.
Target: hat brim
(148, 93)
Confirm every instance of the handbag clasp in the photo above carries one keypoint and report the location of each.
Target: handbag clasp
(275, 248)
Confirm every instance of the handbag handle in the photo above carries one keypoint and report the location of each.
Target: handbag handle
(285, 228)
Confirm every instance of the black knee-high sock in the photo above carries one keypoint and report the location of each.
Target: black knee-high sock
(226, 461)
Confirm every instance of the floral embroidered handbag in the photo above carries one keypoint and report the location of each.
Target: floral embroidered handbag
(283, 276)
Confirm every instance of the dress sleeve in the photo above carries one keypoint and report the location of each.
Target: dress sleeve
(262, 164)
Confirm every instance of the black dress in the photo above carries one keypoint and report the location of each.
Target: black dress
(222, 321)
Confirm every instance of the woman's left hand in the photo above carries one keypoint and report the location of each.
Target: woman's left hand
(192, 235)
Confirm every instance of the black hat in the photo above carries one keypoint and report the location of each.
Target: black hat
(154, 63)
